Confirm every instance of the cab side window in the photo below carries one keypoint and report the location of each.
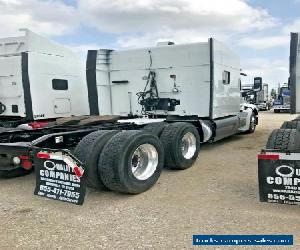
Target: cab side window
(226, 77)
(60, 84)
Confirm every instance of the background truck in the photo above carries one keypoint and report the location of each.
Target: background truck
(283, 101)
(259, 97)
(39, 80)
(153, 107)
(262, 98)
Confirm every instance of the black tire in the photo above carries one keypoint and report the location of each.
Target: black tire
(171, 138)
(155, 128)
(291, 125)
(276, 111)
(284, 139)
(116, 159)
(88, 151)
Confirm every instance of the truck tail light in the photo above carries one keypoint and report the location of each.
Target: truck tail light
(25, 162)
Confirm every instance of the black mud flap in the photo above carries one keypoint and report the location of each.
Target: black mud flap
(279, 177)
(59, 176)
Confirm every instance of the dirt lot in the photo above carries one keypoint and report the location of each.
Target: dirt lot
(218, 195)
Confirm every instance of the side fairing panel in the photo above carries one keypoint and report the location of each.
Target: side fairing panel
(11, 87)
(49, 101)
(226, 90)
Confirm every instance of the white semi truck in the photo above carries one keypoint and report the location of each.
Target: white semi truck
(198, 81)
(39, 80)
(152, 108)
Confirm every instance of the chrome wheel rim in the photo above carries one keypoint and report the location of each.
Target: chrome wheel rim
(144, 161)
(188, 145)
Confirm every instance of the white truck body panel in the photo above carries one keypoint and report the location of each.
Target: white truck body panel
(120, 75)
(42, 62)
(295, 72)
(226, 97)
(11, 85)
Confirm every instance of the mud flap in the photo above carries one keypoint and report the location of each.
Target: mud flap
(59, 176)
(279, 177)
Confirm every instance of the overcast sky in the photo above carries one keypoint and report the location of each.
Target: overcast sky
(258, 30)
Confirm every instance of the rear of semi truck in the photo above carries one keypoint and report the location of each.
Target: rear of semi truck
(283, 101)
(39, 80)
(279, 161)
(168, 99)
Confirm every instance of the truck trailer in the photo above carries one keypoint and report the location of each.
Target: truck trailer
(279, 161)
(152, 107)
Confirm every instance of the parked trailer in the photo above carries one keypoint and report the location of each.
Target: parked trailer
(279, 162)
(169, 99)
(39, 80)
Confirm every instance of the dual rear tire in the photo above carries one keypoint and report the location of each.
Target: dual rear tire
(284, 139)
(181, 142)
(122, 161)
(295, 124)
(132, 161)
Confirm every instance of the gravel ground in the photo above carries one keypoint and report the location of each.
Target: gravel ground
(218, 195)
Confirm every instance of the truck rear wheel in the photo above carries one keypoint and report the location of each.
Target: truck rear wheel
(291, 125)
(276, 110)
(284, 139)
(181, 142)
(155, 128)
(131, 162)
(88, 151)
